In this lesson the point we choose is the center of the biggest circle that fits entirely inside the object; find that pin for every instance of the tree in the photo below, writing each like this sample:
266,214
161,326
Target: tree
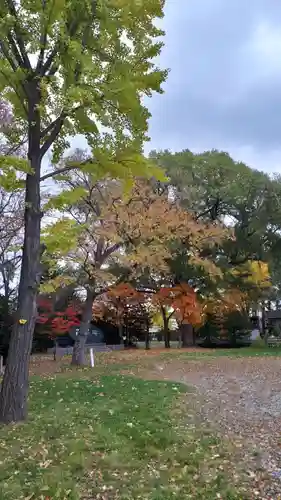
163,300
125,307
67,70
215,187
118,231
115,303
177,301
188,313
123,233
220,311
54,322
5,115
11,238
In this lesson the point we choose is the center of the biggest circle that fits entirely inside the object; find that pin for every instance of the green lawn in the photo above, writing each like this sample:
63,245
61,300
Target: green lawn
115,438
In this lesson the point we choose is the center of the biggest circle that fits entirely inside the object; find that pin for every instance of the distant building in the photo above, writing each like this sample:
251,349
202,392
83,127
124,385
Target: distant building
273,319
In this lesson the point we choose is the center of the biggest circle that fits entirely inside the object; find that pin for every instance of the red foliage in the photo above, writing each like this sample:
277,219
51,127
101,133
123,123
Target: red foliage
57,322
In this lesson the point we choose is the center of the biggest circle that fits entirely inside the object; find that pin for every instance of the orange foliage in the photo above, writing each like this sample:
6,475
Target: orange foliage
135,230
114,303
182,300
187,308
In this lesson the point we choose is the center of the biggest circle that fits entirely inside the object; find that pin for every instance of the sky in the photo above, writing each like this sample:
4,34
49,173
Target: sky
224,86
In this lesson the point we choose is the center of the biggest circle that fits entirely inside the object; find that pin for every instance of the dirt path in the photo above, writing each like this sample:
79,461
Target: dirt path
241,398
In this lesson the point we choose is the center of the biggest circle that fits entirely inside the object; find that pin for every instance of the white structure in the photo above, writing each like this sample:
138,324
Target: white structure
255,334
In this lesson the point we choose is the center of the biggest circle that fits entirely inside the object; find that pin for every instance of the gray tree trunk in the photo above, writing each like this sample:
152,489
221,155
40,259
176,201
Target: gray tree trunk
166,329
187,335
79,356
14,388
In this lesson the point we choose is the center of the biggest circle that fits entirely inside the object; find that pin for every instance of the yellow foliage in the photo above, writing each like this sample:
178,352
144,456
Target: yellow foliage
254,273
134,228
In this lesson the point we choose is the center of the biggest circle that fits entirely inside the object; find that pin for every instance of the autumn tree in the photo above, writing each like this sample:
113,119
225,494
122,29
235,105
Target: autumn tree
179,302
219,310
217,188
162,300
120,297
67,71
53,321
188,312
115,303
228,309
119,232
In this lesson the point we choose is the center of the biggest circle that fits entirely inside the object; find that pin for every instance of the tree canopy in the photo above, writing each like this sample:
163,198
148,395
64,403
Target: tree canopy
67,70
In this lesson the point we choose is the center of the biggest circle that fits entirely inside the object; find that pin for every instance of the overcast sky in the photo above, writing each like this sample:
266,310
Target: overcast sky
224,86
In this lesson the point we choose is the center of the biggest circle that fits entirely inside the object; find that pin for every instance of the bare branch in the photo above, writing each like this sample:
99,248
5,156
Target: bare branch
60,171
8,261
15,50
8,56
16,91
18,34
13,149
43,38
54,123
111,250
170,315
50,67
53,135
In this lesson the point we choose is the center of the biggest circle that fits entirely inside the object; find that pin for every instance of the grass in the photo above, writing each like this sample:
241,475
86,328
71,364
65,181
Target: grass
247,352
114,437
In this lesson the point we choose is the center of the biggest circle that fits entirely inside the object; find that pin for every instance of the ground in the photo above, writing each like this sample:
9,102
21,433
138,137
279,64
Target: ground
149,425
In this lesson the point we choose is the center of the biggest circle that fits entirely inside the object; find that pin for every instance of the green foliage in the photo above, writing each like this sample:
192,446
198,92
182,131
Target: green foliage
10,169
92,68
237,321
64,199
61,237
216,188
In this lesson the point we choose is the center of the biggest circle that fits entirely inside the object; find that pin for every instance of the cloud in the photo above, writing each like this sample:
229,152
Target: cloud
224,86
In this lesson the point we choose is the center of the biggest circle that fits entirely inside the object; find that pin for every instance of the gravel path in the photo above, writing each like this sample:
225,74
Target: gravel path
241,398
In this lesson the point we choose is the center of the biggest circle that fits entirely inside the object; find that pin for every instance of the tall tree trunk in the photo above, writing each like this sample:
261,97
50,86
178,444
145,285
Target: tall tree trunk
166,328
167,338
147,337
263,318
14,389
120,332
180,338
78,356
188,338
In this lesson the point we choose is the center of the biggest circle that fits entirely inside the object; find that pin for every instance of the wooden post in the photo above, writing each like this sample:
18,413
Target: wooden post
1,365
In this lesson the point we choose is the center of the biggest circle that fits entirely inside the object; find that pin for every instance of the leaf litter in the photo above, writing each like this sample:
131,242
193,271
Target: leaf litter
239,399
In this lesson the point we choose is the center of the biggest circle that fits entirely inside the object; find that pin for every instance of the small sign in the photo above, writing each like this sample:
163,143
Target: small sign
94,335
